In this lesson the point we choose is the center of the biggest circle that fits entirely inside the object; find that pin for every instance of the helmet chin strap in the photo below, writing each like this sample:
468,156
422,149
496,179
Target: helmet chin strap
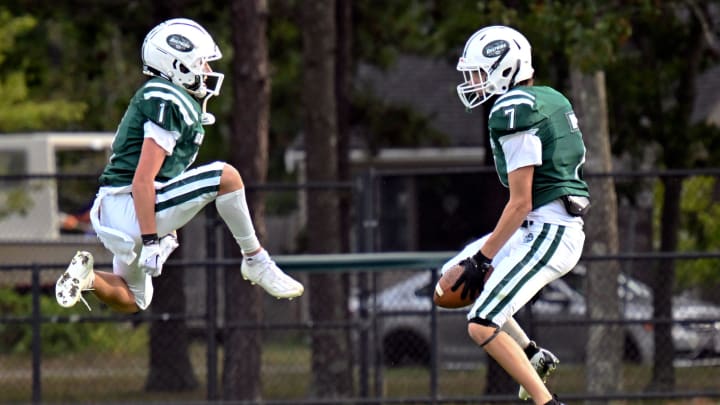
206,117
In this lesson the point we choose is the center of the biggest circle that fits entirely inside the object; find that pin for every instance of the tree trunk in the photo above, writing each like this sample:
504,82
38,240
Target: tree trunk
343,90
169,363
663,373
677,154
605,341
170,367
331,374
249,154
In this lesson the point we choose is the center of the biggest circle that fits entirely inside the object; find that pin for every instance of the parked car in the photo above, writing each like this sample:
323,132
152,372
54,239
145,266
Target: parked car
403,318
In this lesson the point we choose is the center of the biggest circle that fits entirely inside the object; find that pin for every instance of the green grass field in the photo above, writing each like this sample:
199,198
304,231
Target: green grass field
117,376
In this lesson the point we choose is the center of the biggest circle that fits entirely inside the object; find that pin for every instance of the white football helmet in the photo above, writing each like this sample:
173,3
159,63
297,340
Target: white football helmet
178,50
495,59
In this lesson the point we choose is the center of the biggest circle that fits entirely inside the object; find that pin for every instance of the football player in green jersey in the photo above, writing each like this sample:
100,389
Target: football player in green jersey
539,153
147,190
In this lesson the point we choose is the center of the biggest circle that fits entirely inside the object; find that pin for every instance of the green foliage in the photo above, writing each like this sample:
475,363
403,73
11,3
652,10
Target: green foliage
700,231
63,338
587,32
395,125
385,29
648,89
15,200
19,112
426,27
382,31
11,27
285,47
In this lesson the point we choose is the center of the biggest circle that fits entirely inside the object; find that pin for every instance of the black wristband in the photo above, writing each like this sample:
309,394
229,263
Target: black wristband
149,238
481,258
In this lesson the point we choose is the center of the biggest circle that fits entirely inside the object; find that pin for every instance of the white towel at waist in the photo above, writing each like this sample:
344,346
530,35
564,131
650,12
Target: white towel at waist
119,243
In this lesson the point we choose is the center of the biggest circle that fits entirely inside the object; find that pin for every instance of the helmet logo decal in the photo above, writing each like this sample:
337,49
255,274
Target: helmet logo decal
180,43
495,48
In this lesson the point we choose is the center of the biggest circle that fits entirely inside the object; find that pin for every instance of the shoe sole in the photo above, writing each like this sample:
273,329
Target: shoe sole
288,295
73,291
67,296
524,395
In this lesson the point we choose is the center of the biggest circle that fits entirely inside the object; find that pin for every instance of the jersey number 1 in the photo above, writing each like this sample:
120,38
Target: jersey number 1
161,113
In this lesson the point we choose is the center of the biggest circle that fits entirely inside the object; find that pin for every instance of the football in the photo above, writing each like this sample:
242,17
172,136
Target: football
444,297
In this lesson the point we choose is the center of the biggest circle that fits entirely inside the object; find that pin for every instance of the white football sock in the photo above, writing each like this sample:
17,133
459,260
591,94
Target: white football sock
233,209
512,328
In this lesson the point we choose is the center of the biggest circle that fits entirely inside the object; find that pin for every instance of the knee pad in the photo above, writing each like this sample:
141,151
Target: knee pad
485,322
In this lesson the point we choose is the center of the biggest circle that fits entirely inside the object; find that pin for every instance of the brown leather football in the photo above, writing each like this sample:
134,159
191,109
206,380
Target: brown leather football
444,297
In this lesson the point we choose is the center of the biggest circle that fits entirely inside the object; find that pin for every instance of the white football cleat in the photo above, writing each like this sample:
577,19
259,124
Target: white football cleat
77,278
544,363
261,269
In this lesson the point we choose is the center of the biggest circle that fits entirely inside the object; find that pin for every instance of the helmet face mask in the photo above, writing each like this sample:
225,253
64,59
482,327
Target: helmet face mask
180,50
495,59
475,89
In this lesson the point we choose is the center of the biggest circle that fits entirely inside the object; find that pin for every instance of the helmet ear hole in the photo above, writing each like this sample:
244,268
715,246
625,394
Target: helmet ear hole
179,66
507,72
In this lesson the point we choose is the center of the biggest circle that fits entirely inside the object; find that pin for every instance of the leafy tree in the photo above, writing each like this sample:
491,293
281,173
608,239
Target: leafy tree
653,88
18,110
700,210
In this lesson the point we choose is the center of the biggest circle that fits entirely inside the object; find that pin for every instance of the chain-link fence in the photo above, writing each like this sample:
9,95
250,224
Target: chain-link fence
401,348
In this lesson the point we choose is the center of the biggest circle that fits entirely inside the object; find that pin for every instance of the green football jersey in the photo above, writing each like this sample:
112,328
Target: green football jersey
547,114
170,107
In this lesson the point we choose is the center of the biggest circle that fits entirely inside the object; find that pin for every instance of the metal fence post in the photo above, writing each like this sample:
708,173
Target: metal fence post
36,337
364,336
365,244
434,343
377,343
211,305
367,241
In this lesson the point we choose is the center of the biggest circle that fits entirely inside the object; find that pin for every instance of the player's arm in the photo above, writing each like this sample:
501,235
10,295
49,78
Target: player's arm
157,144
143,185
477,268
516,210
522,150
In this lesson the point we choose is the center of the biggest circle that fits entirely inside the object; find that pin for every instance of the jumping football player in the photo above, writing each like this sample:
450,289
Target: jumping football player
146,190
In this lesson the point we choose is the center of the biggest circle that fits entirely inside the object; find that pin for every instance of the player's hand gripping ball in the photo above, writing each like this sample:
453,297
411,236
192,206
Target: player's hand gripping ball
461,284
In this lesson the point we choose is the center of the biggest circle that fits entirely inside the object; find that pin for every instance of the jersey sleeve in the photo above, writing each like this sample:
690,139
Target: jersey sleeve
162,113
168,107
164,138
521,149
515,111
